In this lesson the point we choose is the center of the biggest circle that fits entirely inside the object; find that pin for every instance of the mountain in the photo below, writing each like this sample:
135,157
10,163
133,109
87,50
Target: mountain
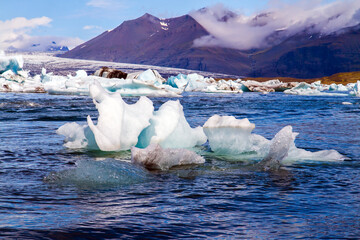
43,46
169,42
306,55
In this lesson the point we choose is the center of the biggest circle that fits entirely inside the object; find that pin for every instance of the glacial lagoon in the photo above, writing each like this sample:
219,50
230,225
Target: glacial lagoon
51,191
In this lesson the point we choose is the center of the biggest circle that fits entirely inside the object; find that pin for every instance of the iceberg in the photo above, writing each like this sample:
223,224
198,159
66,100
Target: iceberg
118,126
228,135
279,149
154,157
180,81
79,84
13,63
310,89
169,128
338,87
268,86
356,89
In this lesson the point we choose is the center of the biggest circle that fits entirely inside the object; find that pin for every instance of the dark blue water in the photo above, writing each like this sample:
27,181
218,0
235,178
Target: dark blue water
47,191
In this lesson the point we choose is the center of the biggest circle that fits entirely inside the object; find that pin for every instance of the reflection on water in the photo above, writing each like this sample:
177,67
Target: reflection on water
102,194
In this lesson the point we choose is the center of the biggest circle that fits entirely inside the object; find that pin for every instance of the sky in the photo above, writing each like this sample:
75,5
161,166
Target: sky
71,22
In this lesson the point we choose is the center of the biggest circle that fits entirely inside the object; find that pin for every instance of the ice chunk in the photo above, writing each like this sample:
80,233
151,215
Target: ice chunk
98,174
338,87
298,154
13,63
310,89
268,86
118,125
180,81
154,157
356,91
148,76
74,135
228,135
170,129
279,149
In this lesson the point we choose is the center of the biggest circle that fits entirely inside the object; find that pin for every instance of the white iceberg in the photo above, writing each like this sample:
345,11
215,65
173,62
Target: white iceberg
140,85
13,63
169,128
118,126
274,85
154,157
228,135
279,149
356,89
310,89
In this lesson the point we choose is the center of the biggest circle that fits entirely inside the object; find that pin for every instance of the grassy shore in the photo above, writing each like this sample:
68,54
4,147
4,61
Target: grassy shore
343,78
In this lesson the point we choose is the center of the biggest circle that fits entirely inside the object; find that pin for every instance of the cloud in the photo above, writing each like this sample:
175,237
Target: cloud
279,21
106,4
16,33
92,27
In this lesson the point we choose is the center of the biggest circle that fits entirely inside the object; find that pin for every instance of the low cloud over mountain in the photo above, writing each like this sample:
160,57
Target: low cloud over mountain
278,22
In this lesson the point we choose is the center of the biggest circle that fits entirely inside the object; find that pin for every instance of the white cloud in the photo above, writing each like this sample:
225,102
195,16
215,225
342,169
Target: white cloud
16,33
279,21
107,4
92,27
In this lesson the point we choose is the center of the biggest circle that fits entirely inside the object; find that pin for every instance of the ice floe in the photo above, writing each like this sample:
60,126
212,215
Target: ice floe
121,126
232,137
154,157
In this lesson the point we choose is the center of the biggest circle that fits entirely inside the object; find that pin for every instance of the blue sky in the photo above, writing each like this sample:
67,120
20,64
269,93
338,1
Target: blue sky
81,20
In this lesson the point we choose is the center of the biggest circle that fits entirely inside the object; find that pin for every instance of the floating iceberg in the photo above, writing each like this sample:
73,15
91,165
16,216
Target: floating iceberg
279,149
169,128
268,86
154,157
228,135
13,63
118,125
143,84
310,89
338,88
356,89
121,126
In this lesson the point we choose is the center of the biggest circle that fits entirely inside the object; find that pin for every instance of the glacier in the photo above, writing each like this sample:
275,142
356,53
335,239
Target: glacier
148,83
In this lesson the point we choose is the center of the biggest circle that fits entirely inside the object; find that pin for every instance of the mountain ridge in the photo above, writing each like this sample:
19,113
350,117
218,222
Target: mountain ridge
169,42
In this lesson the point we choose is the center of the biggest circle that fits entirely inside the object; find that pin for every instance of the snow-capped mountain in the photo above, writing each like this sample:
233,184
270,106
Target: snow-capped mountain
170,43
41,46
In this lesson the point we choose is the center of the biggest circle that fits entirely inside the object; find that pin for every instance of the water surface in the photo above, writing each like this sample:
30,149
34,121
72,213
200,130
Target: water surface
48,191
